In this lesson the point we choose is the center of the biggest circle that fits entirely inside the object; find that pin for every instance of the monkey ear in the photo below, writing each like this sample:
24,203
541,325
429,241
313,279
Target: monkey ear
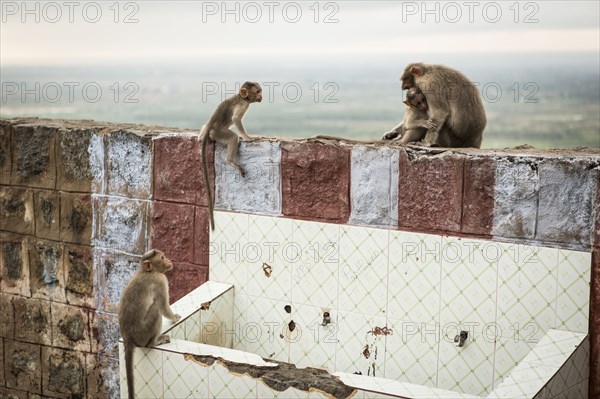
147,265
244,92
415,71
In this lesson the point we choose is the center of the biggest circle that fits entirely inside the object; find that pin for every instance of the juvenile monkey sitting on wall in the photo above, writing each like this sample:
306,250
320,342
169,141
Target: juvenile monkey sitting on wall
416,120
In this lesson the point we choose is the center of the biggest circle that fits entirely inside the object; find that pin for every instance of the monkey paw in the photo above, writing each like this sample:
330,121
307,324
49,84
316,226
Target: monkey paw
176,318
390,135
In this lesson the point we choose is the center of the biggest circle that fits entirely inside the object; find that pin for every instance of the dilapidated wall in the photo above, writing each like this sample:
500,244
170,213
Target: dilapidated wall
81,200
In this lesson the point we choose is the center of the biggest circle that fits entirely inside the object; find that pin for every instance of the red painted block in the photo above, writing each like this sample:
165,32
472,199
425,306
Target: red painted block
173,230
478,196
430,192
178,169
185,278
594,387
316,181
201,237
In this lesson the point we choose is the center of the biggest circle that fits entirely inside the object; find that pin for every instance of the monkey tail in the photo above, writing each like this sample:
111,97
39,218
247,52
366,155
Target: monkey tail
207,181
129,368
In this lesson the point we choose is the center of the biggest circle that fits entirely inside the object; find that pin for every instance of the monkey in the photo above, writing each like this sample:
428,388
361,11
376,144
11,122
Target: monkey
229,112
416,120
454,103
143,304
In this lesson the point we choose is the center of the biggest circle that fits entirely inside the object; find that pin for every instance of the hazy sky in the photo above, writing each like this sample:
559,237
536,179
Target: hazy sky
86,32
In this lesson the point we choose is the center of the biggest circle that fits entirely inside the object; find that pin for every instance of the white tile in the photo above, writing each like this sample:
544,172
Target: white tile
573,297
525,381
269,247
264,391
509,353
361,346
183,378
469,277
148,372
216,322
363,270
225,385
411,352
526,291
122,372
315,272
469,369
314,345
228,243
555,348
191,302
414,277
262,327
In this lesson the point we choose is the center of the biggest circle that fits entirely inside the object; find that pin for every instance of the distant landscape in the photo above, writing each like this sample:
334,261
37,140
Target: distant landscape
549,107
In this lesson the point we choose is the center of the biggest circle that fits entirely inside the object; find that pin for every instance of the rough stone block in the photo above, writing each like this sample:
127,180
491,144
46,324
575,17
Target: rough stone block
76,218
315,181
70,327
102,376
2,382
178,169
566,199
32,320
374,186
121,224
595,325
63,373
105,334
14,264
47,213
185,278
80,276
478,196
34,161
5,154
6,393
515,198
23,368
201,237
16,210
77,158
7,316
430,191
259,191
597,211
129,163
173,230
47,275
117,269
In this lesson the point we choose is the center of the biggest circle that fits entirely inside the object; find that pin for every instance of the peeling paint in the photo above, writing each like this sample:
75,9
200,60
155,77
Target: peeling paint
284,376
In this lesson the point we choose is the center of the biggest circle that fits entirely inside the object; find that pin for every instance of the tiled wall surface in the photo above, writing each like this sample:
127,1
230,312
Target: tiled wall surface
396,299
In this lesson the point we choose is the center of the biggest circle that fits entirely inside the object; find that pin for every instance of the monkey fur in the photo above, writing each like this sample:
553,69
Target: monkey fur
416,120
454,103
229,112
144,303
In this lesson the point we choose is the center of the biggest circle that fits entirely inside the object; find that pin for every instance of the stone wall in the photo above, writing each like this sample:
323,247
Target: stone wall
81,200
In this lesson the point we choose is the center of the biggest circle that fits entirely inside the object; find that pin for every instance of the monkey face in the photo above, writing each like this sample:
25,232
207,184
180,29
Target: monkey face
255,95
419,102
408,81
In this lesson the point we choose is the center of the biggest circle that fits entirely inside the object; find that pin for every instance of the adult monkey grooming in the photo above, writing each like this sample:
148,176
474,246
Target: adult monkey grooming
455,105
229,112
143,304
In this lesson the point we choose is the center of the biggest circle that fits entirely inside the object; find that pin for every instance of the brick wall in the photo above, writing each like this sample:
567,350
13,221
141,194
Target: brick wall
81,200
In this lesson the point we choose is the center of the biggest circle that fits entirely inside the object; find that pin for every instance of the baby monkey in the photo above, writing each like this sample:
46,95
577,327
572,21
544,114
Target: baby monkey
416,120
229,112
144,303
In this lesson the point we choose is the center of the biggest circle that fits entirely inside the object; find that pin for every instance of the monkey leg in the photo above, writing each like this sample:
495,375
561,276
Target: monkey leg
232,151
432,137
411,136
